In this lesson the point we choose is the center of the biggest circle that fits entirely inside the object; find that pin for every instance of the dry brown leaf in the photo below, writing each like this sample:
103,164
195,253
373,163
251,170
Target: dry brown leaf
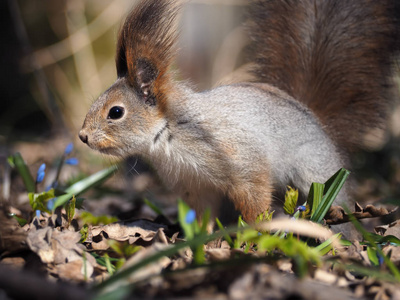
71,271
394,254
142,230
218,250
59,248
390,229
219,254
337,215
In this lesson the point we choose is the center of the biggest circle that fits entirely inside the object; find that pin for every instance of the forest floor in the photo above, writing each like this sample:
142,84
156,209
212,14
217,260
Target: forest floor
116,245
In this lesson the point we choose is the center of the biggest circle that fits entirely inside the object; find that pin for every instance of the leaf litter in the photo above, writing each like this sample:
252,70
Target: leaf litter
67,259
151,258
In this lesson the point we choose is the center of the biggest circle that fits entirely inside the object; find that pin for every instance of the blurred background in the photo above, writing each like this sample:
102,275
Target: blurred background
58,56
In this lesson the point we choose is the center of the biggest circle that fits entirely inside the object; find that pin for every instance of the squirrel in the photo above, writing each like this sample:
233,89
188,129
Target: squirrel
322,74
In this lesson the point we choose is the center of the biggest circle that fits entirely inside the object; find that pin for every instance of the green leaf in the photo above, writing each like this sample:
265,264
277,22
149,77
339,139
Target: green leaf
84,233
199,255
18,162
39,201
21,221
79,203
379,239
301,254
291,198
372,255
326,246
315,197
264,217
84,184
330,190
188,229
345,242
389,239
70,209
106,261
109,266
241,222
238,241
205,220
123,249
226,235
10,161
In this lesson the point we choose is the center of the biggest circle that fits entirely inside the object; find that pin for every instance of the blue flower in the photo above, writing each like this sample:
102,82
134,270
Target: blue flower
69,149
72,161
190,216
50,204
40,173
301,208
380,259
38,213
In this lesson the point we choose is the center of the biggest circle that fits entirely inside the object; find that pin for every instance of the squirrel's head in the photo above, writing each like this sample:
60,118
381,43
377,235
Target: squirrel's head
122,121
130,114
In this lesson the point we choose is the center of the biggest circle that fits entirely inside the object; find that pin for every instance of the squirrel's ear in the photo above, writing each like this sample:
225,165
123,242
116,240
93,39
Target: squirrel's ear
146,74
145,48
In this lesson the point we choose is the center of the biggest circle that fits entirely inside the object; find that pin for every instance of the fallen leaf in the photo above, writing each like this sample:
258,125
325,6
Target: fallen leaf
219,254
140,232
394,253
337,215
61,248
390,229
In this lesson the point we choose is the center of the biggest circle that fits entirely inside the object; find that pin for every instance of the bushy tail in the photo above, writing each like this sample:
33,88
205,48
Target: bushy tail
335,56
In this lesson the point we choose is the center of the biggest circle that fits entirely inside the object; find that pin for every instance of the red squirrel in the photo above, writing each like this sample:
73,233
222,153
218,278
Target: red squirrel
322,79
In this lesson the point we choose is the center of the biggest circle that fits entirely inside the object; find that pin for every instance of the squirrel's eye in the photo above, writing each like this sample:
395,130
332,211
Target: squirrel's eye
116,112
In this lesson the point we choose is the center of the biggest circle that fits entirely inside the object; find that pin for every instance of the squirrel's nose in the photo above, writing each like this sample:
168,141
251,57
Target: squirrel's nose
83,136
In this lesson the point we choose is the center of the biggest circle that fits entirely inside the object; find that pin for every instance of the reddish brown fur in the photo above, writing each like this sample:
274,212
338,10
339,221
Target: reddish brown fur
334,58
252,197
149,33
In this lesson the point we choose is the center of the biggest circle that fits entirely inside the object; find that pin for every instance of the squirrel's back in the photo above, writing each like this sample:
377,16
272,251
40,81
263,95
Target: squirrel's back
334,56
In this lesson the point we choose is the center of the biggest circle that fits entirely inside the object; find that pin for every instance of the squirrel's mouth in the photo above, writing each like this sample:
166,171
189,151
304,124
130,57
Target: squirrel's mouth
107,150
104,146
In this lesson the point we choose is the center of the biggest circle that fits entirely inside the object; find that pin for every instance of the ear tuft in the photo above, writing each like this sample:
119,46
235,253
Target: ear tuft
145,49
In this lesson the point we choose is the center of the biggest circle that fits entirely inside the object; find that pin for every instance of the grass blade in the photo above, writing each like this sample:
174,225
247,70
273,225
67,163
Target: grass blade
18,162
226,236
331,190
84,184
153,207
315,197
